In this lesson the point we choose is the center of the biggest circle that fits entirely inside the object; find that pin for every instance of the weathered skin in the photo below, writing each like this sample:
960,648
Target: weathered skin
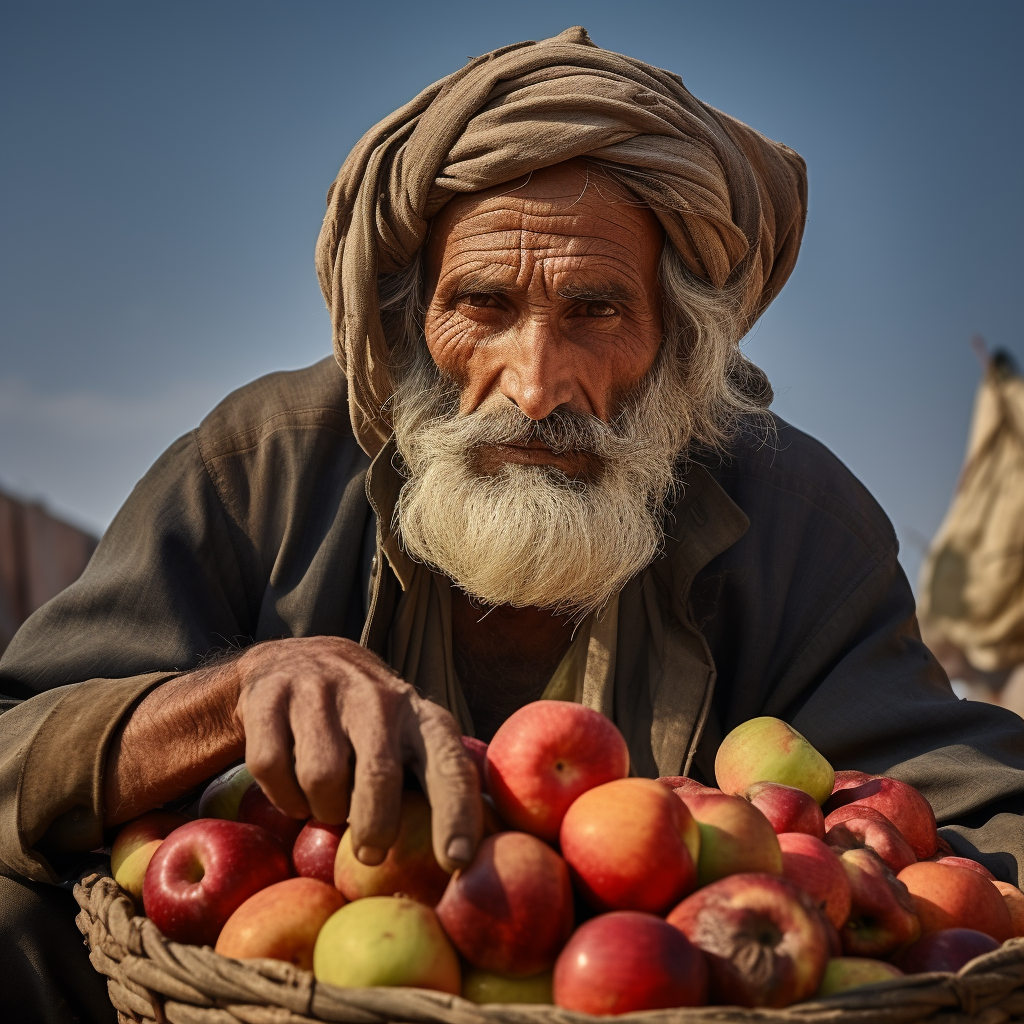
543,293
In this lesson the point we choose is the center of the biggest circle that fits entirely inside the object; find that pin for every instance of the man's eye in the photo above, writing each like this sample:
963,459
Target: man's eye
601,309
479,299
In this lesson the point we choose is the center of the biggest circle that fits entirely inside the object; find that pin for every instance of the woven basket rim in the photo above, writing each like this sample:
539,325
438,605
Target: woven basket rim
161,980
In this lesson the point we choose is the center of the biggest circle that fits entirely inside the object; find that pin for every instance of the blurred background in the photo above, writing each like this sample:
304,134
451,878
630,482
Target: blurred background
165,167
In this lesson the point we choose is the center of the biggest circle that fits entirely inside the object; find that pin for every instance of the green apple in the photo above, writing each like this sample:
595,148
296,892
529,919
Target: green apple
487,987
221,797
135,845
846,972
386,940
769,750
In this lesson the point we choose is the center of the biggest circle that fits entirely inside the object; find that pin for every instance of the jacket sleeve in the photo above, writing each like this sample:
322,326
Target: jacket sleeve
163,589
870,696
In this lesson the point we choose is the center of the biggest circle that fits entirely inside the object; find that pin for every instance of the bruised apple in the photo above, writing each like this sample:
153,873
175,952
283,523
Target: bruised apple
315,849
135,845
255,808
409,869
631,844
386,940
204,871
854,826
770,750
544,756
903,805
511,910
952,897
844,973
882,914
626,961
735,837
813,867
280,922
765,942
787,809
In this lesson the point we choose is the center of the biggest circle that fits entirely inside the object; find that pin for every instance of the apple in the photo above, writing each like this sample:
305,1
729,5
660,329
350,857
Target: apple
946,896
487,987
281,922
255,808
787,808
135,845
942,849
903,805
945,950
812,866
204,871
882,914
680,784
846,778
854,826
511,910
966,862
770,750
766,943
315,849
409,869
848,972
734,837
628,961
386,940
221,797
544,756
631,844
1014,900
477,751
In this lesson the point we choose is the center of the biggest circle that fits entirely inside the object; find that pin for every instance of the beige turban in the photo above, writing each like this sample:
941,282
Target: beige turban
532,105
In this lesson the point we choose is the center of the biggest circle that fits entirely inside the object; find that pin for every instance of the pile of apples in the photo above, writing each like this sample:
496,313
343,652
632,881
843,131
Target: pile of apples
592,890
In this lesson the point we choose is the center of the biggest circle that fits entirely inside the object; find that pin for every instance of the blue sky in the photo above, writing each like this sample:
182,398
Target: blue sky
165,165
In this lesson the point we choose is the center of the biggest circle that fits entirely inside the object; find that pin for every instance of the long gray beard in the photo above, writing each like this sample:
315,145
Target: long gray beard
530,535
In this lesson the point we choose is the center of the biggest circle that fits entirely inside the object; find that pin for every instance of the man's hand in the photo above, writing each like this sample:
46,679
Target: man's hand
310,707
317,718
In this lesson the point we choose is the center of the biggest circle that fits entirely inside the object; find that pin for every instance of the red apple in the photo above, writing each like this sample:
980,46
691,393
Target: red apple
204,871
680,784
409,868
735,837
511,910
135,845
950,897
882,915
280,922
844,973
315,849
787,808
946,950
631,845
966,862
847,778
942,849
812,866
1014,900
903,805
856,826
544,756
766,943
477,751
256,809
625,962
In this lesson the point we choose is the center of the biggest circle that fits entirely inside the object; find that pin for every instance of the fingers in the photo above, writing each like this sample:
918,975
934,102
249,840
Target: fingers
451,780
323,755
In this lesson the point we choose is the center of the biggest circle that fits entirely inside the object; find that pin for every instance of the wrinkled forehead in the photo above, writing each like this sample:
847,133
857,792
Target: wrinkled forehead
573,206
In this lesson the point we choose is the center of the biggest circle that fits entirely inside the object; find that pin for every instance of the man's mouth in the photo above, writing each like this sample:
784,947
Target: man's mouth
489,460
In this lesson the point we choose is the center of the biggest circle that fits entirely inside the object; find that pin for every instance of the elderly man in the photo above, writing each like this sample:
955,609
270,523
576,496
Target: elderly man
539,467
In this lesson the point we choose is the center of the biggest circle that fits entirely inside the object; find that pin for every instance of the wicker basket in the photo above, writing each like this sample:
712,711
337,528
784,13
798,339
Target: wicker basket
152,979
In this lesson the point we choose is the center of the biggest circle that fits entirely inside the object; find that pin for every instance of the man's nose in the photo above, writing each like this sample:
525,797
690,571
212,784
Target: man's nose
539,374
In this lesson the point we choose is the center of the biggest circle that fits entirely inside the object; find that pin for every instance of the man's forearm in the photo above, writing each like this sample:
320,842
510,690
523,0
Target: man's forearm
181,733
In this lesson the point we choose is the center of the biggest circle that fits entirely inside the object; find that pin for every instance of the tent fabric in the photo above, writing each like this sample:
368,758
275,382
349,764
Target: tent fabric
732,202
972,584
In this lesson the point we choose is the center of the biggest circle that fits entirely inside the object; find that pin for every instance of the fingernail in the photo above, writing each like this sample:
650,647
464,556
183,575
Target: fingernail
460,849
371,856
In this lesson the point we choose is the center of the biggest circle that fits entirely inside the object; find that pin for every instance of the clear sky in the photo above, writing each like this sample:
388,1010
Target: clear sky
165,164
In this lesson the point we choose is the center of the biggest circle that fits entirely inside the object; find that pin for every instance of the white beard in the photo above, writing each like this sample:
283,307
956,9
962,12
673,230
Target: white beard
530,535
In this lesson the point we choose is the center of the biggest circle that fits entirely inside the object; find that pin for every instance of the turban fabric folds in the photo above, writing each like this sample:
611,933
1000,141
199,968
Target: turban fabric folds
733,202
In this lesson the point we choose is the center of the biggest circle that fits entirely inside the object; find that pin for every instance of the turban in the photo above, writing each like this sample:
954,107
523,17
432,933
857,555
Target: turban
733,202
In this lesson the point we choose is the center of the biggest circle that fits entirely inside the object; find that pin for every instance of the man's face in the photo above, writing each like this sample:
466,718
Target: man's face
544,294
